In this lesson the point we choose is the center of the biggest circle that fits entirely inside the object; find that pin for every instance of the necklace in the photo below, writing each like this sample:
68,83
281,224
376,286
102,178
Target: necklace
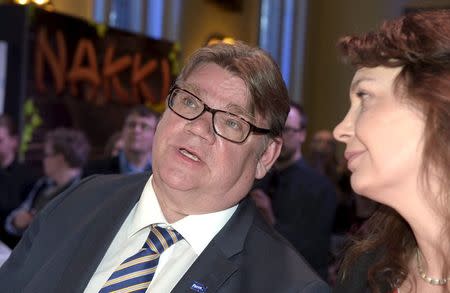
423,274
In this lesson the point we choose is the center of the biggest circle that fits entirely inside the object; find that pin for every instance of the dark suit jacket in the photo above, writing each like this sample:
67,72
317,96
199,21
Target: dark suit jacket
63,247
304,204
102,166
15,182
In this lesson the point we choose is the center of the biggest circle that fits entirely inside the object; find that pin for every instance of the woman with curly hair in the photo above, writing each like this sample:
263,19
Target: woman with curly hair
397,134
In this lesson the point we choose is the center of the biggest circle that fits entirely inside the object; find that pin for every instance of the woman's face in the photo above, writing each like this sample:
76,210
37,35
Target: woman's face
383,134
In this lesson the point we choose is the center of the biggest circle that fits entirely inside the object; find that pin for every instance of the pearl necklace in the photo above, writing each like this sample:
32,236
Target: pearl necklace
424,276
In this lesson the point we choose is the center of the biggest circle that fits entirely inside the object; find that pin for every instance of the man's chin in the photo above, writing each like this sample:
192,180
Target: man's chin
176,179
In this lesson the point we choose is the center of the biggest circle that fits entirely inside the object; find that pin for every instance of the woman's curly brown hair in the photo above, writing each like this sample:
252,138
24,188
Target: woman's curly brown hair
420,44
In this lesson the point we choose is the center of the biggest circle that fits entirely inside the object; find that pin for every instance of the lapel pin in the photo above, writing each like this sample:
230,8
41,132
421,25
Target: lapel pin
198,287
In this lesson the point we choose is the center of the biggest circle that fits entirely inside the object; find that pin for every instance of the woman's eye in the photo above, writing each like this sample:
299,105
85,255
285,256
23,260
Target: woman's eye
364,98
362,94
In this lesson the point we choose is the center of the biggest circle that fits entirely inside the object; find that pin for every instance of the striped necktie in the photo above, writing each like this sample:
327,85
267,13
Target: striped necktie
137,271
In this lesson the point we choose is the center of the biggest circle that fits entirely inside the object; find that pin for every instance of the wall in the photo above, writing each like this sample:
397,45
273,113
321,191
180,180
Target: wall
200,18
326,80
326,85
78,8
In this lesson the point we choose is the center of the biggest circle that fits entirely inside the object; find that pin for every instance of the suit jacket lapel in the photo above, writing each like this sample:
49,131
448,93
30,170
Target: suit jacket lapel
215,264
97,234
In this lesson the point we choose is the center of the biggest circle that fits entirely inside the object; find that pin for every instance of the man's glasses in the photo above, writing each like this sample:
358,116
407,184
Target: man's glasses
225,124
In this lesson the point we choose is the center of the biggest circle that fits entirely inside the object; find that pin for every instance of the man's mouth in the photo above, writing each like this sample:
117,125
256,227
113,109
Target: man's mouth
191,156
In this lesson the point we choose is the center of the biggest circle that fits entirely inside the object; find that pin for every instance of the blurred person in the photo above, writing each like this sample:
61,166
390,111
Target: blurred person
114,145
136,155
300,201
16,178
190,222
322,157
397,137
65,152
352,209
9,141
322,154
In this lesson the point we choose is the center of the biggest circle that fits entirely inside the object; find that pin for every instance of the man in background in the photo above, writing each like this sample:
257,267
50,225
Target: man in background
65,152
16,179
322,155
136,156
298,201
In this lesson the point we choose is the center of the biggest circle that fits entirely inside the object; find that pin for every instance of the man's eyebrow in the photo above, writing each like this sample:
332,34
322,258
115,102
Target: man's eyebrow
240,111
231,107
190,87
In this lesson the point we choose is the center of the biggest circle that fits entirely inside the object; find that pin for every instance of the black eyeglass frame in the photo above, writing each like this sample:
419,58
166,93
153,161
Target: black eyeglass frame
206,108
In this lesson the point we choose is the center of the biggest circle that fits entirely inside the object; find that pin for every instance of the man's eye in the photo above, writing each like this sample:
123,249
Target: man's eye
189,102
233,124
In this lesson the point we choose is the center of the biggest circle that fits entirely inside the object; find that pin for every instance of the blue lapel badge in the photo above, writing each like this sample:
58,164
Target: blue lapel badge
198,287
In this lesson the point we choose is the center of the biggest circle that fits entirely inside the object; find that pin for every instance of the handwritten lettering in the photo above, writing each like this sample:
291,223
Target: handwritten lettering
121,79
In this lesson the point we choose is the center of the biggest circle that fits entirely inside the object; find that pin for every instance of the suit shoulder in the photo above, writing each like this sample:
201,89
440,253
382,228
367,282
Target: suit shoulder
274,256
97,188
103,166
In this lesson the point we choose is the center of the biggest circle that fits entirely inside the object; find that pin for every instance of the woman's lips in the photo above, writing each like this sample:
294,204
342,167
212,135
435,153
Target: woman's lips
351,156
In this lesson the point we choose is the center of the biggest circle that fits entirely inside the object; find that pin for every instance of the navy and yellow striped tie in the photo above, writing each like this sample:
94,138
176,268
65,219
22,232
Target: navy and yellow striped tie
137,271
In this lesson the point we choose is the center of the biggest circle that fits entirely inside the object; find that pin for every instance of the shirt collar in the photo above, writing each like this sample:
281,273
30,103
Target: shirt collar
197,230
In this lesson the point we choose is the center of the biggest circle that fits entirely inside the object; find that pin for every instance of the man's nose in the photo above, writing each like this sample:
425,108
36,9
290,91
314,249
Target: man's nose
202,126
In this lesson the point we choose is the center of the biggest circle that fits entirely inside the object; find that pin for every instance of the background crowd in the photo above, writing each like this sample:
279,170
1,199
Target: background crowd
396,137
312,197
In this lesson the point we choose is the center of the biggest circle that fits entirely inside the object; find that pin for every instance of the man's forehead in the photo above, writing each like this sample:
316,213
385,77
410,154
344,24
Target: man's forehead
294,114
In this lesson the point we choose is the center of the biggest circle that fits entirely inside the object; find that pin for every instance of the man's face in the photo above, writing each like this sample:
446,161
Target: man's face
8,144
196,171
53,162
323,143
293,135
138,133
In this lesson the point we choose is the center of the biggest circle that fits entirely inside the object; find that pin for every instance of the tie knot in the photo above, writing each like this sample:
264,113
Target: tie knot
161,238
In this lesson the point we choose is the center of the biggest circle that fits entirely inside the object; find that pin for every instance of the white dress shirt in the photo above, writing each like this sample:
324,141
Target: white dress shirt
197,232
5,251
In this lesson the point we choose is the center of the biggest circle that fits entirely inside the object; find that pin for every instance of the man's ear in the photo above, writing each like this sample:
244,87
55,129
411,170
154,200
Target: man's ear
268,157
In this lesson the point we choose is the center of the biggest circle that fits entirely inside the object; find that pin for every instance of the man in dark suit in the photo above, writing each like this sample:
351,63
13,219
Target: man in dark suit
189,227
298,201
16,179
137,134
